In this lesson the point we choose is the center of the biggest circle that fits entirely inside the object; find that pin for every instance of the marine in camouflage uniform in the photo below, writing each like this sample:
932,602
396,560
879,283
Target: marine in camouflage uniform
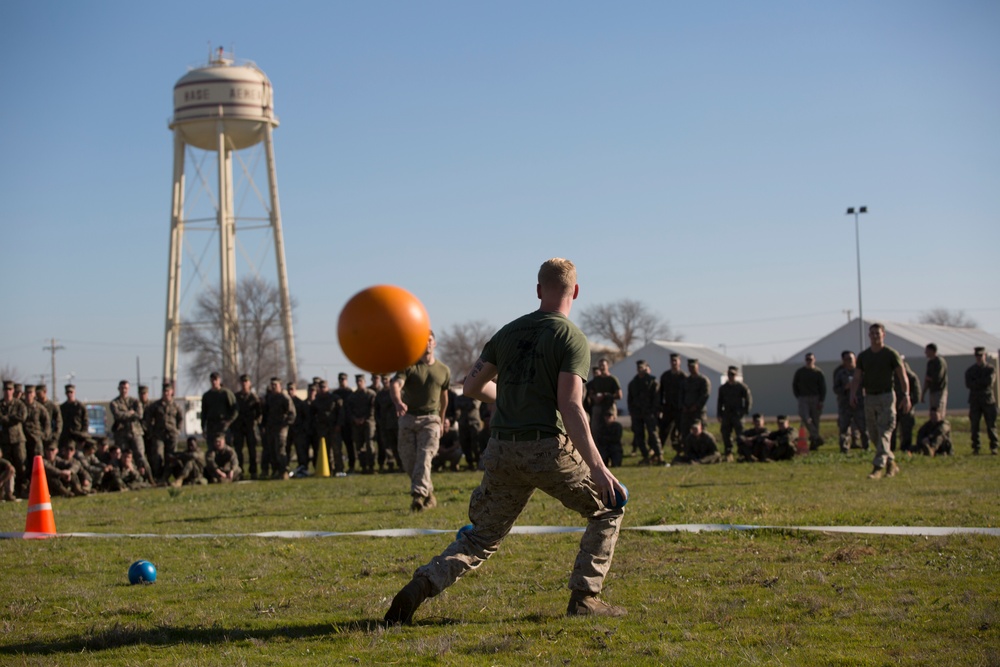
188,466
470,424
734,403
388,426
219,408
76,424
980,380
7,481
751,440
694,398
163,420
328,415
609,442
61,475
298,431
279,415
36,424
103,475
221,462
420,394
55,416
604,390
306,440
540,362
936,380
246,427
934,437
809,388
671,404
127,429
874,375
360,414
145,403
132,478
779,445
850,418
643,406
342,392
905,421
12,416
699,447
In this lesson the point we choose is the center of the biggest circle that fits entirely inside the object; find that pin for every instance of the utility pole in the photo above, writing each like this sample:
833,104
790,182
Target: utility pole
857,242
52,347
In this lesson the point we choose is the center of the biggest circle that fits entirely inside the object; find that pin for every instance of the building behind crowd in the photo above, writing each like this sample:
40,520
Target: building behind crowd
712,363
771,384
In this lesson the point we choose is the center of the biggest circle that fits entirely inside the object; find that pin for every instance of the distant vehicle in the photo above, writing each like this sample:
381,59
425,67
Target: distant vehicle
97,416
192,415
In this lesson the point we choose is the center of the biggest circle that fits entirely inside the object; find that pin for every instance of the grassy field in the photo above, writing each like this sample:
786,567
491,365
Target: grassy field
776,596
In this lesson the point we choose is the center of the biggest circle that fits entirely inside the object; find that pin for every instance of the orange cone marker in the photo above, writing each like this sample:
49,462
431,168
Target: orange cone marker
41,522
802,444
322,461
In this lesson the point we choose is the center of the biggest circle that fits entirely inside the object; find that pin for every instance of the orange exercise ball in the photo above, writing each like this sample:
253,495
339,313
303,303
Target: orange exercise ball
383,329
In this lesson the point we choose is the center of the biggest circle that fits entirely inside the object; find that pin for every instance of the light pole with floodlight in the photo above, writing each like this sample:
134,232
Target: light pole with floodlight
857,242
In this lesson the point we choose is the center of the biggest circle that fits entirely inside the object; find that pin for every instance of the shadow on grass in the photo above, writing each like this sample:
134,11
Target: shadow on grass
127,634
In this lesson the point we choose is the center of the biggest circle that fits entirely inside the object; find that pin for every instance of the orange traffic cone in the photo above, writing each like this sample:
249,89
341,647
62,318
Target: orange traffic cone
802,443
41,522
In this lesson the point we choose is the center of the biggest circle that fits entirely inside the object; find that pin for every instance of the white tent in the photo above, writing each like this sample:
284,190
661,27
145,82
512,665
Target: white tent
906,338
711,363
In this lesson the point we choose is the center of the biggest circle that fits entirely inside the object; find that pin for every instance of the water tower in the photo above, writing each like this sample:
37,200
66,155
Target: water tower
222,108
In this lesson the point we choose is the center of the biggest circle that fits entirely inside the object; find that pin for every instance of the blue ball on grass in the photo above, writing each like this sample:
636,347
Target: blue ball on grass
141,572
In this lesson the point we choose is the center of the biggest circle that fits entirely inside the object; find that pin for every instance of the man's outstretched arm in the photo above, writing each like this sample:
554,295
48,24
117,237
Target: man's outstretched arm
570,401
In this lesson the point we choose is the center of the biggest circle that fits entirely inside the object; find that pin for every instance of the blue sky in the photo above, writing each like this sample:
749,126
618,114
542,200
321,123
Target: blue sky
698,157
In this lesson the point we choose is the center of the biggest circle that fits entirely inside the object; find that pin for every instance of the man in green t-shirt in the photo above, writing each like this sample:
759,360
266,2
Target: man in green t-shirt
876,367
420,394
533,369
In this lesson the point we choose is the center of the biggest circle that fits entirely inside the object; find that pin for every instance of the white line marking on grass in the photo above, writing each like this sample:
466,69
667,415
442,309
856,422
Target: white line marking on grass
929,531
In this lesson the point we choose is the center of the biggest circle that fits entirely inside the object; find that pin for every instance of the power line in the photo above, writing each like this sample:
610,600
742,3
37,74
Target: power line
106,344
760,320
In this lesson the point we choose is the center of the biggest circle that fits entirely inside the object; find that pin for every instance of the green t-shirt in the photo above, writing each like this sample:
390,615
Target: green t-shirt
878,369
422,387
529,354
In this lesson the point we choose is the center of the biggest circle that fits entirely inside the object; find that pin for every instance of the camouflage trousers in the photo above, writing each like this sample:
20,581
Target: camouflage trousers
731,422
246,434
880,418
643,432
670,429
419,437
513,470
134,442
274,456
363,436
985,412
810,411
851,424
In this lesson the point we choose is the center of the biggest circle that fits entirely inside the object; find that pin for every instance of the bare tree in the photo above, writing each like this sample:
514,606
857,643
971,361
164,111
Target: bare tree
260,339
948,318
460,345
625,324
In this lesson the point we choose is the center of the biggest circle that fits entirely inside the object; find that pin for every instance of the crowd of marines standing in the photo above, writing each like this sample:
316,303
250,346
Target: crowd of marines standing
412,422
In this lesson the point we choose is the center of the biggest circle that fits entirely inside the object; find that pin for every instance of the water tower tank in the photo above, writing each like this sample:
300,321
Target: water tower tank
239,95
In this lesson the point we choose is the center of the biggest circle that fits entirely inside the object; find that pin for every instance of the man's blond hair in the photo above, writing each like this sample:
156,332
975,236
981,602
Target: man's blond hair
558,273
